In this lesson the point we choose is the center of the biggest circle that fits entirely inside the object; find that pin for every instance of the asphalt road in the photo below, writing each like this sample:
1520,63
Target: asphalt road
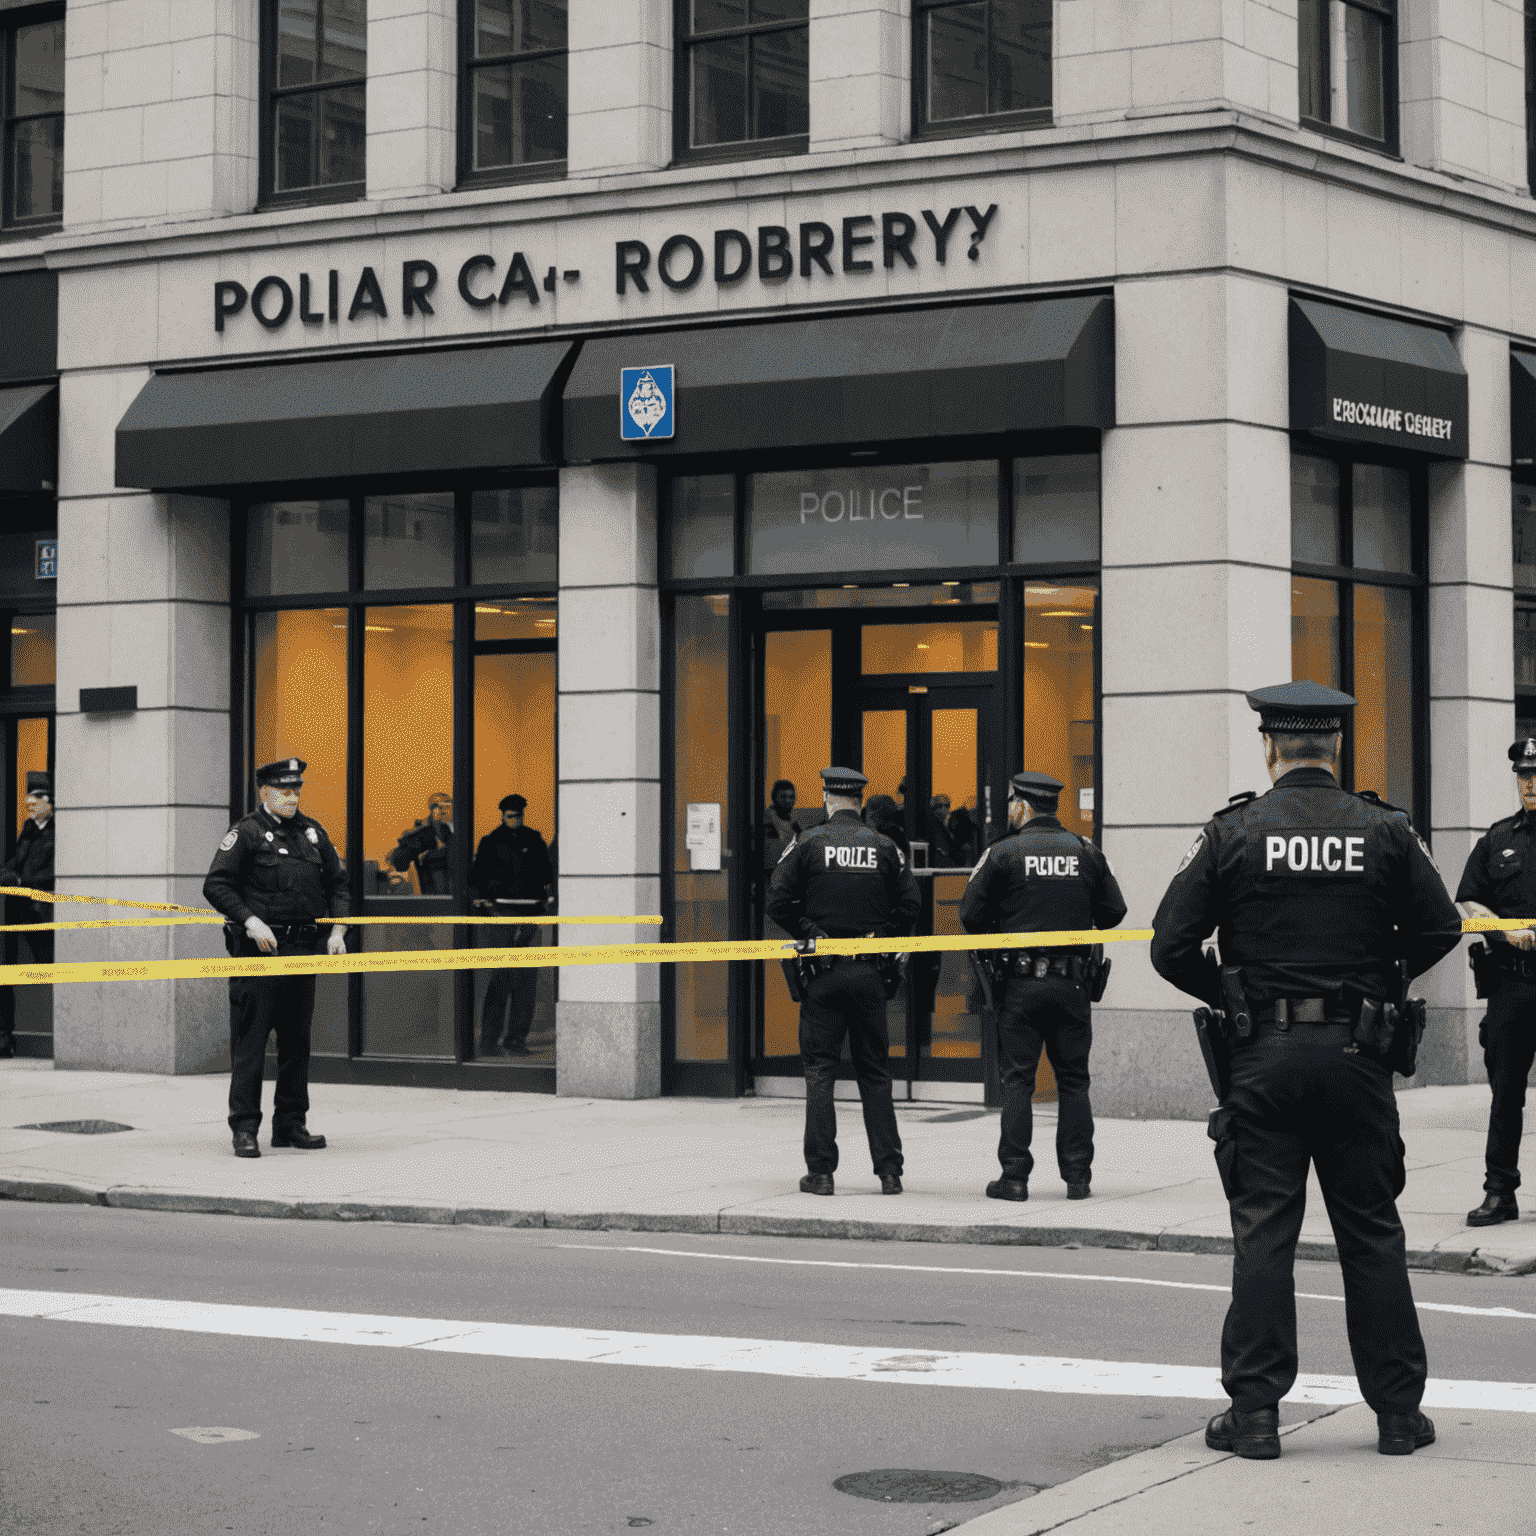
399,1440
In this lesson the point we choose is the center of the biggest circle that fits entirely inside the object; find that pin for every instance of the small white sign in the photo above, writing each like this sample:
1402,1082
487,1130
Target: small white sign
701,836
1085,801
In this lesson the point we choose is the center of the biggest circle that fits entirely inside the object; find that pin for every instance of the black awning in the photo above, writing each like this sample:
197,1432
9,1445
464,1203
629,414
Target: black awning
887,377
1522,409
414,413
29,438
1365,378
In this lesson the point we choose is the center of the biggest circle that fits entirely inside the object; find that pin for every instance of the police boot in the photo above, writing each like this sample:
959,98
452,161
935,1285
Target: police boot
245,1144
1401,1434
1494,1209
7,1045
1254,1436
297,1136
890,1183
1007,1189
1078,1189
816,1184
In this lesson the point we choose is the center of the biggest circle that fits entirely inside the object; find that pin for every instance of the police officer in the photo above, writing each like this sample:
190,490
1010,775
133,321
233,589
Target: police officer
1039,876
1316,893
511,874
426,845
32,866
841,879
1500,881
274,874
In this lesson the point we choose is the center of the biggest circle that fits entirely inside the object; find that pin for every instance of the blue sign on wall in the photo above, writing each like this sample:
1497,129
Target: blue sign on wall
47,559
645,402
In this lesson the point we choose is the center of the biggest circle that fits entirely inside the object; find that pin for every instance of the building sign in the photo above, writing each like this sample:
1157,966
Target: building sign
1359,413
645,402
701,836
47,559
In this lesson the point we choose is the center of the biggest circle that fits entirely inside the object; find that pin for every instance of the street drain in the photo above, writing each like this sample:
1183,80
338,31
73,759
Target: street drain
79,1127
901,1485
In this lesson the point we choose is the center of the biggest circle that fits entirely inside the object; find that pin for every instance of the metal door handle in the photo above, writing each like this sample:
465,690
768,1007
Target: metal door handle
988,793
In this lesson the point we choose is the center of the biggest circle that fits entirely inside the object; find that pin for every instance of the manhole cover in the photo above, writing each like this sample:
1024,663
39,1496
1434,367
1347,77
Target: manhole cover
901,1485
79,1127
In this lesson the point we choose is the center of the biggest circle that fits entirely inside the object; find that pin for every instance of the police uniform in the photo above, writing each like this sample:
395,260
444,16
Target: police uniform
286,872
1501,875
511,871
31,865
1316,893
842,880
426,846
1036,878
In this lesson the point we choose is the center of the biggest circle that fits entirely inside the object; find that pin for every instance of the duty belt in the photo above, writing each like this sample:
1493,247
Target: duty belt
1035,967
298,933
1519,963
1285,1011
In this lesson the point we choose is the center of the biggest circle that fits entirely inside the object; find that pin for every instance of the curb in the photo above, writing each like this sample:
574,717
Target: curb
983,1235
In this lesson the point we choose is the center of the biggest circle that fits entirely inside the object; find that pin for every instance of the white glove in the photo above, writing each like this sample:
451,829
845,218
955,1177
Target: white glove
266,940
337,943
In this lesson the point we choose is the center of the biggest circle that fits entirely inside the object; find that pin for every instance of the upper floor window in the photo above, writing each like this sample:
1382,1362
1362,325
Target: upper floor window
1349,68
513,86
981,59
314,68
1530,91
743,75
32,109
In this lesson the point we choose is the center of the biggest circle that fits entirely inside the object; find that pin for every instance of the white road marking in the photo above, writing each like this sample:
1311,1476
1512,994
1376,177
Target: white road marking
213,1435
1020,1274
762,1357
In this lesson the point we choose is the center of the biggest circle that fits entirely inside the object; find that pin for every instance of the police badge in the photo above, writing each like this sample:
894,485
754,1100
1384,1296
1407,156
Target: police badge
229,840
312,835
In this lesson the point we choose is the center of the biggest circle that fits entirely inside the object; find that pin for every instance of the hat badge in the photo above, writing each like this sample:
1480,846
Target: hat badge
293,764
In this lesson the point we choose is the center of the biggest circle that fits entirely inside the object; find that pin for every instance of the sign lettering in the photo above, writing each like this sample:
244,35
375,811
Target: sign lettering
1358,413
1315,853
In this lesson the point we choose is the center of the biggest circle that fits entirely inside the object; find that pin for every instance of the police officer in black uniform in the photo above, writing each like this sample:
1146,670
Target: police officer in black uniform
31,865
1500,881
1039,876
426,846
843,880
1317,894
274,874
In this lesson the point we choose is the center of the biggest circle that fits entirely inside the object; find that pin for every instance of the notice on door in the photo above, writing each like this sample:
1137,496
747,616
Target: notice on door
701,836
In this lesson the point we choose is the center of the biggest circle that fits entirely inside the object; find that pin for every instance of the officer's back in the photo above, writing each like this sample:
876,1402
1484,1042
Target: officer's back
843,879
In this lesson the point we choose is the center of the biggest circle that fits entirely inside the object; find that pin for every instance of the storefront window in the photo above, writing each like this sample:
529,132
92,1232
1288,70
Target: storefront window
408,541
962,647
1056,509
514,535
296,546
1059,698
33,650
703,525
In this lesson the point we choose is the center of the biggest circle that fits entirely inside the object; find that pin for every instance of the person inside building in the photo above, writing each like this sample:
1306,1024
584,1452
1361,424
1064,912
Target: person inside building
426,846
512,876
30,866
941,845
780,827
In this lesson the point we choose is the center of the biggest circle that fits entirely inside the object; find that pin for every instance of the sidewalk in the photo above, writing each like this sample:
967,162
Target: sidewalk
691,1165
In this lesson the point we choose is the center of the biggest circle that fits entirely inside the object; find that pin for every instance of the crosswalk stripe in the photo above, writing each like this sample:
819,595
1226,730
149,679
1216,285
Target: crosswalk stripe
762,1357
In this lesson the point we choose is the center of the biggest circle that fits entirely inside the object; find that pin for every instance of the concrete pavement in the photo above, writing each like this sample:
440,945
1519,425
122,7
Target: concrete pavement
689,1165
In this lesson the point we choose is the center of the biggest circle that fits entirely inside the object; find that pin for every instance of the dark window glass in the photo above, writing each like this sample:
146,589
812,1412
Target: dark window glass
1523,517
514,535
1314,512
1056,508
317,53
983,58
1530,91
32,107
1348,70
1383,519
703,525
408,541
1310,58
296,546
515,73
747,70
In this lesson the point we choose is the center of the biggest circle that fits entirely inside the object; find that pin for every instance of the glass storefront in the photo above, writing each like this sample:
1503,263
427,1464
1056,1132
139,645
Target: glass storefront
1523,521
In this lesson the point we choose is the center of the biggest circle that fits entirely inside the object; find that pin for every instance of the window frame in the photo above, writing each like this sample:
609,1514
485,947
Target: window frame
301,197
500,175
11,22
1389,143
684,151
1530,94
965,127
1522,600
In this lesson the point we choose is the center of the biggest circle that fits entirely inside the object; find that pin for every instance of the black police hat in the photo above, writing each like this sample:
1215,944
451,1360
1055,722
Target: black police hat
39,783
512,803
1300,707
1034,786
287,773
1522,757
843,781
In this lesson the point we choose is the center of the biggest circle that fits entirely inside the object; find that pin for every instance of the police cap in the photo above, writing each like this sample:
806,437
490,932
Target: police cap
1522,757
512,803
843,781
39,783
286,773
1038,788
1300,707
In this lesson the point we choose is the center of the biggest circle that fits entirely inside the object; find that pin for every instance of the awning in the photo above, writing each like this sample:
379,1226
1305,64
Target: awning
29,439
418,412
1365,378
1522,409
944,372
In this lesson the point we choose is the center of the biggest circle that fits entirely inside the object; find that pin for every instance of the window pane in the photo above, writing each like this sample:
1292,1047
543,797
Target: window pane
33,647
345,51
1383,625
1383,518
703,526
296,24
295,131
711,15
538,110
1021,55
519,26
493,116
1315,631
780,10
1524,518
408,541
517,618
343,135
38,168
1525,660
1056,508
1314,510
39,65
1364,72
906,595
514,535
957,62
407,1013
719,91
873,518
781,83
1059,727
701,909
296,546
1311,60
960,647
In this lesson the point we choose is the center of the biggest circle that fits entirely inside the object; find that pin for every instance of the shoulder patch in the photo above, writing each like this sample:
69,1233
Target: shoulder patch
1237,802
1189,858
311,834
229,839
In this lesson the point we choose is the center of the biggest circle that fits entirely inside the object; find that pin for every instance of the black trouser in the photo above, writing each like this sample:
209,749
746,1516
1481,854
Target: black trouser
258,1005
519,987
1297,1098
31,949
1508,1038
1049,1011
847,1000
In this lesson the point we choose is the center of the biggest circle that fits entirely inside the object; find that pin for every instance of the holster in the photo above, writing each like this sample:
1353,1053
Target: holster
234,938
1485,970
982,970
1235,1003
892,970
1098,973
1215,1049
792,979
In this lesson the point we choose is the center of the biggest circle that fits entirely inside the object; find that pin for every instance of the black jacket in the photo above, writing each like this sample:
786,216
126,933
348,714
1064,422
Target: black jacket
426,846
511,864
845,880
1311,888
1501,869
280,871
32,865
